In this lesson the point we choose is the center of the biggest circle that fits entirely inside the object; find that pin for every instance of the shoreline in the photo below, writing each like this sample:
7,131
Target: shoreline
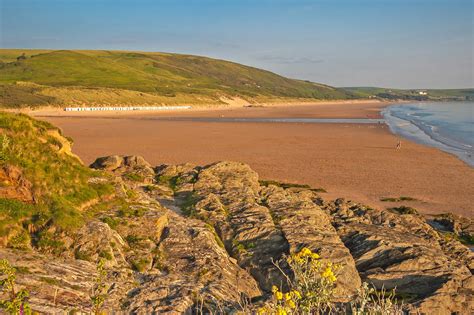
415,132
354,161
59,112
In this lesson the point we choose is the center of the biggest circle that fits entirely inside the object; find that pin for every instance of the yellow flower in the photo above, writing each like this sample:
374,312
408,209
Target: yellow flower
279,295
281,311
328,274
274,289
314,256
287,296
262,311
305,251
296,293
291,304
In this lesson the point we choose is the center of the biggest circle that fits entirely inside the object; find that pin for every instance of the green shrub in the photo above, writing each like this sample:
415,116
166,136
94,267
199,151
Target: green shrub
267,183
133,239
129,211
134,177
20,241
404,210
49,242
106,255
99,290
17,300
401,198
81,255
140,264
112,222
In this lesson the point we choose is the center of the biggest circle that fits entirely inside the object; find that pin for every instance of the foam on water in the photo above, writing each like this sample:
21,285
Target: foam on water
448,126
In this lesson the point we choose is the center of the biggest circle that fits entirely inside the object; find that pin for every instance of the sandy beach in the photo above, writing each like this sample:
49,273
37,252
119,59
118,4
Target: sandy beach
355,161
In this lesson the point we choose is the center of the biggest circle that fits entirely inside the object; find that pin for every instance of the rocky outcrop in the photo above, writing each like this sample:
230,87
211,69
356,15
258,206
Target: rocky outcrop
59,286
230,201
14,185
132,168
192,265
305,224
97,240
461,227
177,234
404,252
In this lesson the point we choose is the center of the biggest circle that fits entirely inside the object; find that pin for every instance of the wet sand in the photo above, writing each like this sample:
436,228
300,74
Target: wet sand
354,161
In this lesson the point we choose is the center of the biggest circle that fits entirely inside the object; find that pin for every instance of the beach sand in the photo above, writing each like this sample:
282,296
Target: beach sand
354,161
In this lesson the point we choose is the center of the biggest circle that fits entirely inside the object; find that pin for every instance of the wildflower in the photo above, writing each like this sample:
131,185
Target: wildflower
274,289
279,295
305,251
261,311
314,256
291,304
296,293
287,296
328,274
281,312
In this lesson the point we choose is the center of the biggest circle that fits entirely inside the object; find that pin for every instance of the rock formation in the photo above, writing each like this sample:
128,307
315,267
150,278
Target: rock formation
178,234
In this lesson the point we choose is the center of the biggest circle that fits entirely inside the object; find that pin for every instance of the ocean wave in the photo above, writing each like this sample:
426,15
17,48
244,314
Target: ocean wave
425,125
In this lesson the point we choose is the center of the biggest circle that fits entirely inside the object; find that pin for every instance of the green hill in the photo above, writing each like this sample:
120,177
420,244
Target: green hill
413,94
39,77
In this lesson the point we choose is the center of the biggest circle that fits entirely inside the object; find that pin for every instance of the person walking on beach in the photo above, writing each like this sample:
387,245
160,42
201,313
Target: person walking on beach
399,144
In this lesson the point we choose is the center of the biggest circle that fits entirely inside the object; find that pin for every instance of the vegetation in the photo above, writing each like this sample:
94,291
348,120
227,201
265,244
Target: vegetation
372,302
161,75
402,198
311,283
267,183
140,264
310,289
15,96
397,94
60,184
99,291
404,210
17,300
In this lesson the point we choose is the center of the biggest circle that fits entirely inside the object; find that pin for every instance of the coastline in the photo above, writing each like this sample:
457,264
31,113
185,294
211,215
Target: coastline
232,108
425,134
354,161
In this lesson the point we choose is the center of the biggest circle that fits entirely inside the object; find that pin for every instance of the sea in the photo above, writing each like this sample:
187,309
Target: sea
448,126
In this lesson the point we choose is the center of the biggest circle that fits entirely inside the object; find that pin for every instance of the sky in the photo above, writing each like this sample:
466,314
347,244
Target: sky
387,43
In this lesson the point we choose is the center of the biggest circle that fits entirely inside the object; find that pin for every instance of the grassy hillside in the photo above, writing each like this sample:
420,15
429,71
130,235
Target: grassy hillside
43,186
431,94
159,77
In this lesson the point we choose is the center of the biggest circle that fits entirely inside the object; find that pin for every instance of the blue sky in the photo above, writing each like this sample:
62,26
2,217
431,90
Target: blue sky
391,43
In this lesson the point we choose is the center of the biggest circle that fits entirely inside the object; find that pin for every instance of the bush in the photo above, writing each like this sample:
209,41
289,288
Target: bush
140,264
311,287
404,210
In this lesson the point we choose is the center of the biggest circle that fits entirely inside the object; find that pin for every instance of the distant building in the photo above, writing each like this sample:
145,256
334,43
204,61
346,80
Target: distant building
422,92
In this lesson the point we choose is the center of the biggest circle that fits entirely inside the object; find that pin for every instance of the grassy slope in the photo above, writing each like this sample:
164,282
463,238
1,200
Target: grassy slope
61,184
166,75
